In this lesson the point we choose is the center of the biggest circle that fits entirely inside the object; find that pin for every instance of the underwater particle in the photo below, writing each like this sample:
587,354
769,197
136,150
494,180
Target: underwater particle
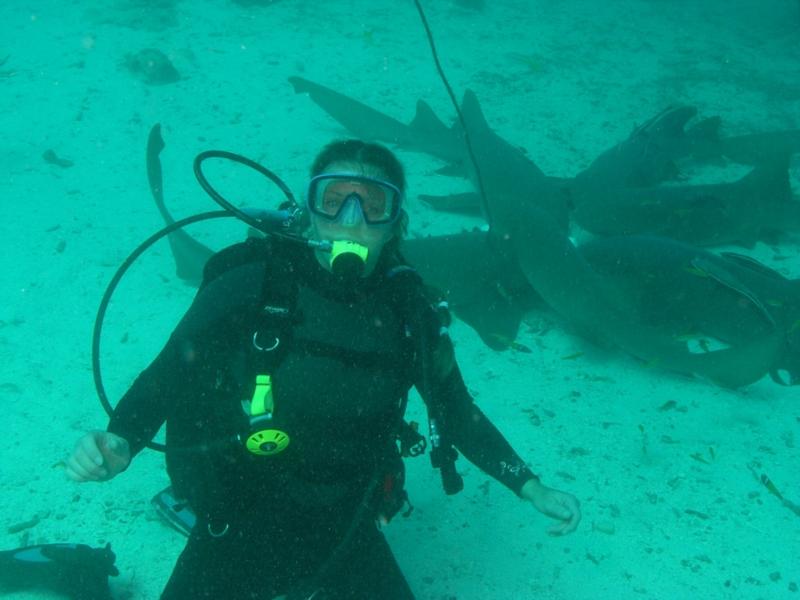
606,527
151,66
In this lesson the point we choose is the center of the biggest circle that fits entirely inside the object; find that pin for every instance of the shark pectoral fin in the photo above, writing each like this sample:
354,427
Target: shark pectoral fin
496,323
472,274
468,203
740,365
452,170
791,377
731,367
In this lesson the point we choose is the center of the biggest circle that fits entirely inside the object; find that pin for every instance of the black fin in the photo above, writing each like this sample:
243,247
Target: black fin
77,570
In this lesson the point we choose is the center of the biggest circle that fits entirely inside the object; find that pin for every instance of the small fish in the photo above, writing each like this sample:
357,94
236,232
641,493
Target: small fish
573,356
696,271
520,347
699,458
770,486
511,343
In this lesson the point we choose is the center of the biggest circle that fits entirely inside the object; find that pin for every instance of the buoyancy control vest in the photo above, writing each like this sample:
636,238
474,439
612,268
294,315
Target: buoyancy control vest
205,478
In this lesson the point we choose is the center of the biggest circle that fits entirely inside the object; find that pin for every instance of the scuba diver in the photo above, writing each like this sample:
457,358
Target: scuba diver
284,388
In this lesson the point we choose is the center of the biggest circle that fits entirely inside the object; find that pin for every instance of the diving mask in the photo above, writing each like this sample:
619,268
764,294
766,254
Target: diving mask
344,197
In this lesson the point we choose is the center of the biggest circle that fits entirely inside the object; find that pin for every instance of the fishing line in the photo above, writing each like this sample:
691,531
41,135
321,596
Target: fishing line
450,93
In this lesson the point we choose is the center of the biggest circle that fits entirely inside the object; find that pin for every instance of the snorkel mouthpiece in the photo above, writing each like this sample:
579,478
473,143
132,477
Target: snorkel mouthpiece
348,259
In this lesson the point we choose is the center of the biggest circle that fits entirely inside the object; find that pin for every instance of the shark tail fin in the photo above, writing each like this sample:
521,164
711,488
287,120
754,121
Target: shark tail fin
155,144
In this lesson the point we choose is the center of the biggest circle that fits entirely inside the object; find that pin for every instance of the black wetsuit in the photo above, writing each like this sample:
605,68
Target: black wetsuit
339,386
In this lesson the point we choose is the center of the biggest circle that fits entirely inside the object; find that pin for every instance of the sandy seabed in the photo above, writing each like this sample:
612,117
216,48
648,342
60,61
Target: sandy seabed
659,461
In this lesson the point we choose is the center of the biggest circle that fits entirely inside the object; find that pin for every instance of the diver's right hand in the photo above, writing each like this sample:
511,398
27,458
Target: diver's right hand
98,456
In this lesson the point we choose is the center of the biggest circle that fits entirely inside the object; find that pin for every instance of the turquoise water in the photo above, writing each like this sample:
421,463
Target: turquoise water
658,460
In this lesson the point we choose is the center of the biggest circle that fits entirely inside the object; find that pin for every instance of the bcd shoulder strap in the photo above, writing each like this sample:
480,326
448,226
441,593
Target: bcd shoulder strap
423,313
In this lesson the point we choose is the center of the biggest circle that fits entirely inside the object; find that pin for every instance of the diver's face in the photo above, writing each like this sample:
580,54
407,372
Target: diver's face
351,225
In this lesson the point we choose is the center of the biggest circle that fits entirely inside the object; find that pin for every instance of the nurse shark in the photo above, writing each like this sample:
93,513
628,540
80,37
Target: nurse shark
528,216
493,278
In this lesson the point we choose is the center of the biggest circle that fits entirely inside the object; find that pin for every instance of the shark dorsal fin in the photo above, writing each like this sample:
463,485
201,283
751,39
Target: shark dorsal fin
426,120
471,109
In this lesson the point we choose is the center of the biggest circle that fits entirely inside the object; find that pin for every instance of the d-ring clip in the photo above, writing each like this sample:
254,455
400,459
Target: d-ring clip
261,348
217,534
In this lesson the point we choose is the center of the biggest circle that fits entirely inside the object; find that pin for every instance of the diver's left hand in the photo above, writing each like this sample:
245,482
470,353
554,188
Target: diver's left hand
561,506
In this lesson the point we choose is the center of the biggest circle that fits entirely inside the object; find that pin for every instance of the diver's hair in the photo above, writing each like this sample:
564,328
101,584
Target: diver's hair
366,153
373,155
